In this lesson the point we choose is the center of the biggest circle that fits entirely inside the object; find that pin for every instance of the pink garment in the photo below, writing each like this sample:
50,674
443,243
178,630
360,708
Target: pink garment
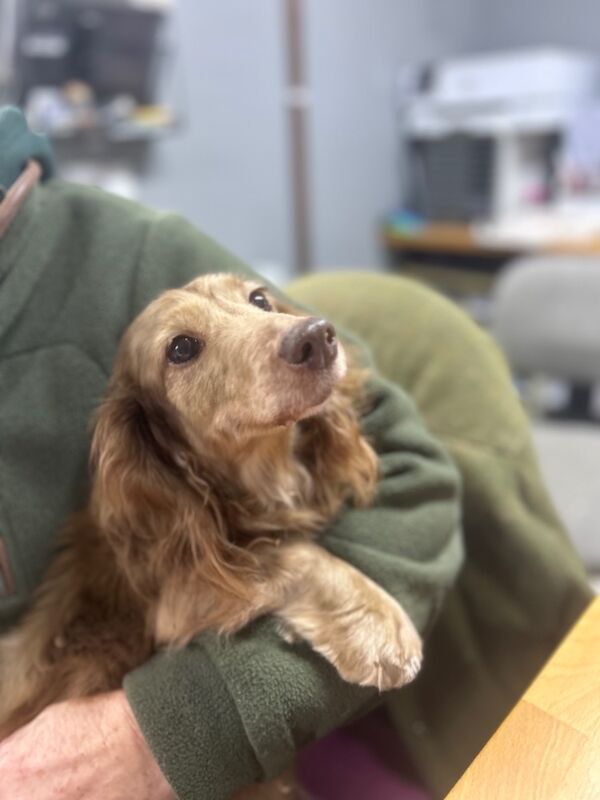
351,764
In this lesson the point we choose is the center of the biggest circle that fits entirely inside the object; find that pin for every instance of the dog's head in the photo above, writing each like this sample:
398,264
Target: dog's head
229,360
198,429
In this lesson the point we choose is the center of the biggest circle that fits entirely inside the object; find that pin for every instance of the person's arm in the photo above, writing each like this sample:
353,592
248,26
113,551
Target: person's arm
81,749
224,713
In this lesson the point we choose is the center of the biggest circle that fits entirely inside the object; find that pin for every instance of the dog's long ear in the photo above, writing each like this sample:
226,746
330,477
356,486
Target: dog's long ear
150,500
133,489
132,461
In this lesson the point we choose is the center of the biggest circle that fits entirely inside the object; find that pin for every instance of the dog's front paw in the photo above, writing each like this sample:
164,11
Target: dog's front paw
352,622
382,649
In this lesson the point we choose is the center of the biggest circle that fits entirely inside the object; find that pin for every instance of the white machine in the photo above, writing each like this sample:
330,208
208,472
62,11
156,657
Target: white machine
485,132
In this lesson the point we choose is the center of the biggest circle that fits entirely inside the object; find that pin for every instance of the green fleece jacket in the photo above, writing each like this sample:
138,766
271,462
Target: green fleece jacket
75,266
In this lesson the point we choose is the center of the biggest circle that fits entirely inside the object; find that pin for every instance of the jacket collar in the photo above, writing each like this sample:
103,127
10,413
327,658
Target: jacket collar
18,144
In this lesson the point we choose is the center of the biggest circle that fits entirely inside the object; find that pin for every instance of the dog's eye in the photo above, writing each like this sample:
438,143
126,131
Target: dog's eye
183,348
259,298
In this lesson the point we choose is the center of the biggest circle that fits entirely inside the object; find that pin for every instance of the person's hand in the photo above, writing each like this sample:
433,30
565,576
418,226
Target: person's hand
90,749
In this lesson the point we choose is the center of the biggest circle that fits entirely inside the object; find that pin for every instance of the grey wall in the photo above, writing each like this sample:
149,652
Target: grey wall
520,23
227,170
354,52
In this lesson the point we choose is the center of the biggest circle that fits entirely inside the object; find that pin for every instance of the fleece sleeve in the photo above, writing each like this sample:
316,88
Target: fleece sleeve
224,713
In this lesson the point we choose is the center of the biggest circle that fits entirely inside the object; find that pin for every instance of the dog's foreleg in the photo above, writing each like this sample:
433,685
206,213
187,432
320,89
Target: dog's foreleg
347,618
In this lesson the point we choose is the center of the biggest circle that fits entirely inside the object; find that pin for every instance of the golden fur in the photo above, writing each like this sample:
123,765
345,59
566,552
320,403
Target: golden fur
210,481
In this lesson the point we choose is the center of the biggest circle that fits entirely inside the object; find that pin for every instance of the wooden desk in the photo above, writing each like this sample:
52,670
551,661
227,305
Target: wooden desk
454,239
443,239
548,748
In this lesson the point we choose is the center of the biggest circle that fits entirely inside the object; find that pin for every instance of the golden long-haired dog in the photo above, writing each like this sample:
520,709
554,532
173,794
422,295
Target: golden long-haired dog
229,437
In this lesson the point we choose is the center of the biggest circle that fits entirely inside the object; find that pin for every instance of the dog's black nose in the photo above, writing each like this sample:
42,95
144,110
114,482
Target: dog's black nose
310,343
